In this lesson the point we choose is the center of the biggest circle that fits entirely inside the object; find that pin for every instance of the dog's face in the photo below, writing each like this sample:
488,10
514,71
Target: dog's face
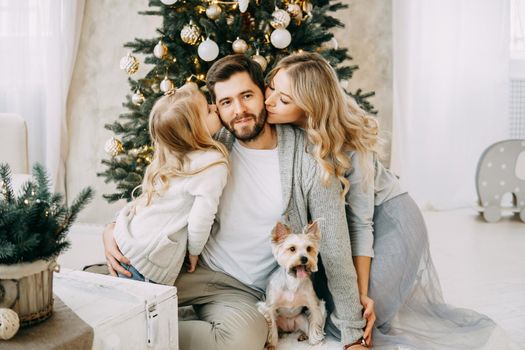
296,253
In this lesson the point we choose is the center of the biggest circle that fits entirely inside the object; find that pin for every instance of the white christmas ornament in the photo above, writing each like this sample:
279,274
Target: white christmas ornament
160,50
137,98
281,38
9,323
208,50
243,5
166,85
168,2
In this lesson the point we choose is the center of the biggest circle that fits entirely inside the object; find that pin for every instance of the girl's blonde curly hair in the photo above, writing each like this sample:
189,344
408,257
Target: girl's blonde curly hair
176,129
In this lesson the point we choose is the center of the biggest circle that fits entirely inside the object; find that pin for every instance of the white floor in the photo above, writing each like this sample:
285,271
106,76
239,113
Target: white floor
481,265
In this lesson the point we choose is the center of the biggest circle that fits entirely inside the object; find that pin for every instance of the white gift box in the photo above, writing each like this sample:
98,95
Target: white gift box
123,313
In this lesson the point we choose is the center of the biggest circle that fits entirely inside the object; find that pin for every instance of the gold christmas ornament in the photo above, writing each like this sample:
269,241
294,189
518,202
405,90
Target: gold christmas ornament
280,19
155,87
166,85
213,11
239,46
190,33
160,50
260,60
307,6
9,323
134,152
129,63
113,146
295,10
137,98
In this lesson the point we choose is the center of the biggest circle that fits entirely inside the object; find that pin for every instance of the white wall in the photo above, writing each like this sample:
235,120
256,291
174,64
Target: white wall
99,87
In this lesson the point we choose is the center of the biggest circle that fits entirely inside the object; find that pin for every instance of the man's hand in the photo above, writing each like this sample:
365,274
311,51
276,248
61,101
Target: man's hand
193,262
113,253
370,317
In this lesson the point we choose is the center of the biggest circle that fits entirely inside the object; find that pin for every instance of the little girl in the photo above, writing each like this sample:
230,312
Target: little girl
180,190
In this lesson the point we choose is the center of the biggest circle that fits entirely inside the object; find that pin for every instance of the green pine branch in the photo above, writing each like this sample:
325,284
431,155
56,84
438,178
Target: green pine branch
34,223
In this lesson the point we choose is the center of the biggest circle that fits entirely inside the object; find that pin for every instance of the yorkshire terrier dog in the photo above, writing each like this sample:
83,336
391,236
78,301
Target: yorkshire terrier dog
291,303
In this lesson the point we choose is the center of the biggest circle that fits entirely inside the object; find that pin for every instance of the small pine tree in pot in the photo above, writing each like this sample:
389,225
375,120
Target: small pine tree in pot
33,226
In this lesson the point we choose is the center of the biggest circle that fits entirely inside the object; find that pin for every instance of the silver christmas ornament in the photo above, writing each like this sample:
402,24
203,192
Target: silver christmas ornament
129,63
280,19
213,11
243,5
137,98
168,2
160,50
190,33
239,46
166,85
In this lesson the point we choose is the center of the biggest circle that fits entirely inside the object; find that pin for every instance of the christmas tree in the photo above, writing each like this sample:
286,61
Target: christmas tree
193,35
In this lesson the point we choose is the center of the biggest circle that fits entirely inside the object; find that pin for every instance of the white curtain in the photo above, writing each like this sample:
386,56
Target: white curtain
451,61
39,41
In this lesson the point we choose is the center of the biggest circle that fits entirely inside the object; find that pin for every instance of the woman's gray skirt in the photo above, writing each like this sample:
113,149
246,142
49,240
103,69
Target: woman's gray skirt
411,312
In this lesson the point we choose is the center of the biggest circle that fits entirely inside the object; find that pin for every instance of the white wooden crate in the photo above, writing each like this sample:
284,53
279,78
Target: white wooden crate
124,314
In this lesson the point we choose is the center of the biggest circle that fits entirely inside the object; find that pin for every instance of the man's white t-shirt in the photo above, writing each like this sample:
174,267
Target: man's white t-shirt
250,206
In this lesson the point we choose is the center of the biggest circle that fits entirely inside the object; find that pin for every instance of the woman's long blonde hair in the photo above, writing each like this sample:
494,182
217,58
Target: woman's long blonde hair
176,129
335,124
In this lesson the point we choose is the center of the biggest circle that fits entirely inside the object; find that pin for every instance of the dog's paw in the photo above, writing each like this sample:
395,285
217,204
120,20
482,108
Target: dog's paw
316,336
302,337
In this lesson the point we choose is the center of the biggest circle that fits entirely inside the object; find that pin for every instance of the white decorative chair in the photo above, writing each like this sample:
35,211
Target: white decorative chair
13,142
13,147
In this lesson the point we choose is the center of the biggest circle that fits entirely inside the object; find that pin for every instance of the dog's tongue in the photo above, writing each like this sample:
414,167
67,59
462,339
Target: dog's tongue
301,272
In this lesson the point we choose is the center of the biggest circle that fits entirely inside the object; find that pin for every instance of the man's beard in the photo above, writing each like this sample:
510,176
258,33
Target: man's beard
247,134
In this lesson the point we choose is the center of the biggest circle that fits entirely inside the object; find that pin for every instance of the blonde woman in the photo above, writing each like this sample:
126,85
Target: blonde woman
180,190
396,276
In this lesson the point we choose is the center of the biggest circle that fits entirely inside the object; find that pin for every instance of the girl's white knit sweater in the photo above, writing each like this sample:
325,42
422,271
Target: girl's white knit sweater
155,238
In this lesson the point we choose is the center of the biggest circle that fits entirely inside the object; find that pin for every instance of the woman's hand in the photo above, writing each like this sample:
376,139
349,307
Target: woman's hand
193,262
370,316
113,253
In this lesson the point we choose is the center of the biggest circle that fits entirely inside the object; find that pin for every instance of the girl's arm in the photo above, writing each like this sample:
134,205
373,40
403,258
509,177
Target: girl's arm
206,188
